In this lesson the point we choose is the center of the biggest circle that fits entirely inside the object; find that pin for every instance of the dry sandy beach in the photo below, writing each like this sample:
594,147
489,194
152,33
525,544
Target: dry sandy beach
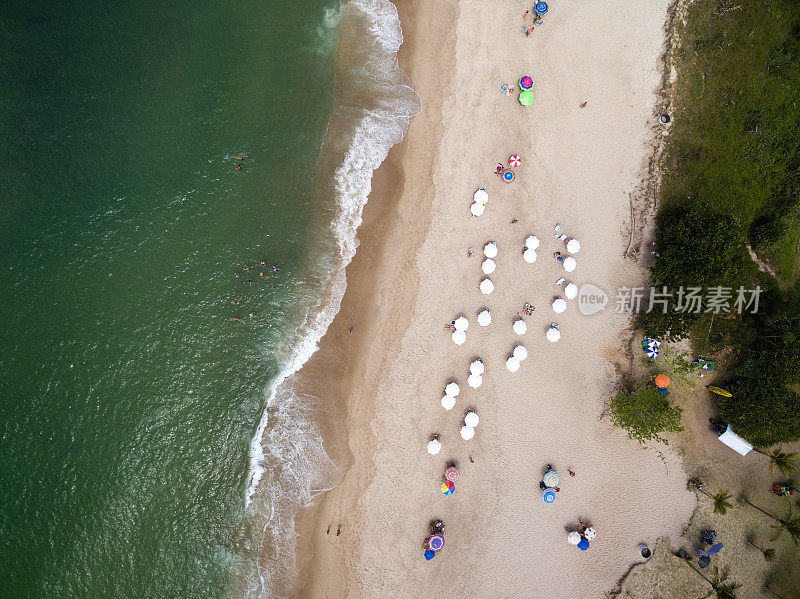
412,276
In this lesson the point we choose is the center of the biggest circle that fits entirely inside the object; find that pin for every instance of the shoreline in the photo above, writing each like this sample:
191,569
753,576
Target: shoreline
334,369
360,370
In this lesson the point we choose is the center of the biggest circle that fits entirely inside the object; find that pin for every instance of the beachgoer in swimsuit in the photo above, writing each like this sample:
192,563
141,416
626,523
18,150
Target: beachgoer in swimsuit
558,256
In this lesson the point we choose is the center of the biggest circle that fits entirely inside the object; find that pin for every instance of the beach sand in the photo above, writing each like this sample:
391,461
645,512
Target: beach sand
582,168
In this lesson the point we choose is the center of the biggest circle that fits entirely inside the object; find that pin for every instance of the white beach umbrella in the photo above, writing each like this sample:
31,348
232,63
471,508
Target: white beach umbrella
471,419
485,318
574,537
559,305
477,209
477,367
486,286
490,250
529,256
553,334
532,242
520,353
590,533
461,323
519,326
459,337
573,246
448,401
512,364
467,432
569,264
452,389
434,447
488,266
480,196
475,381
571,291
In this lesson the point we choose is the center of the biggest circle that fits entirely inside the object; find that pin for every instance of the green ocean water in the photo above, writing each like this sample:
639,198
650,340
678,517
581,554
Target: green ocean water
128,397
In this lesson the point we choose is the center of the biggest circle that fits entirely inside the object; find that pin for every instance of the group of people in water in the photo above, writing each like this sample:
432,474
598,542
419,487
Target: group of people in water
247,269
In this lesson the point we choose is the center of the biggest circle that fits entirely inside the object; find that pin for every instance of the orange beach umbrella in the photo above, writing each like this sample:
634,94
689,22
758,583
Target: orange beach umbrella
662,381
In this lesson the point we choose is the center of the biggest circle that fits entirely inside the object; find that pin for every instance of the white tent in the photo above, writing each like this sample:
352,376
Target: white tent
519,326
477,209
520,353
434,447
459,337
532,242
461,323
573,246
569,263
486,286
448,401
559,305
529,256
571,291
553,334
452,389
735,442
490,250
471,419
475,381
477,367
480,196
467,432
512,364
488,266
485,318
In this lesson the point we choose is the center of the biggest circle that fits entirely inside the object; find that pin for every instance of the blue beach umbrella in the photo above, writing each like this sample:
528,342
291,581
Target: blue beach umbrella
429,555
651,351
540,8
549,495
583,545
508,176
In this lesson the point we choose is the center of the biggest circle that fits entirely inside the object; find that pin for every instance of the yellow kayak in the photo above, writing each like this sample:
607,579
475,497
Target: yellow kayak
720,391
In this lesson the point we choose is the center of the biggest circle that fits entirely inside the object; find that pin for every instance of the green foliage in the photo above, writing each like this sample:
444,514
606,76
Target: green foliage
678,366
721,502
769,554
645,414
764,408
784,461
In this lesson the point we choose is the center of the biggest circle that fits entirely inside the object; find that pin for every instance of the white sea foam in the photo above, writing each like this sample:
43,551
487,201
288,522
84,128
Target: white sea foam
287,440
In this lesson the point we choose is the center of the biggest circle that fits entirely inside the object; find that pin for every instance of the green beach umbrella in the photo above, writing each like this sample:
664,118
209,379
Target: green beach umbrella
526,97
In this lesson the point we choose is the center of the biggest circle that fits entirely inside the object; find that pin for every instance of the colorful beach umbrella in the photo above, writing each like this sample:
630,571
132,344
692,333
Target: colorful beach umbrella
662,381
429,555
574,537
550,479
590,533
435,542
452,474
526,97
540,8
526,82
651,351
514,160
508,176
549,495
583,545
448,488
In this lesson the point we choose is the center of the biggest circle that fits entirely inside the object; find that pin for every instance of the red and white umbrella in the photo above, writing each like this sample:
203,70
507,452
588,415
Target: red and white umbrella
514,161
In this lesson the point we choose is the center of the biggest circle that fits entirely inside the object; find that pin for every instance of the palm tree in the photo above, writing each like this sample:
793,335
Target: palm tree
771,592
783,461
721,498
720,586
768,552
789,524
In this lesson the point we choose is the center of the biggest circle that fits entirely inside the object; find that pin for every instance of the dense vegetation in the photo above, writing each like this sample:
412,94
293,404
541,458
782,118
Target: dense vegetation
732,180
645,414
